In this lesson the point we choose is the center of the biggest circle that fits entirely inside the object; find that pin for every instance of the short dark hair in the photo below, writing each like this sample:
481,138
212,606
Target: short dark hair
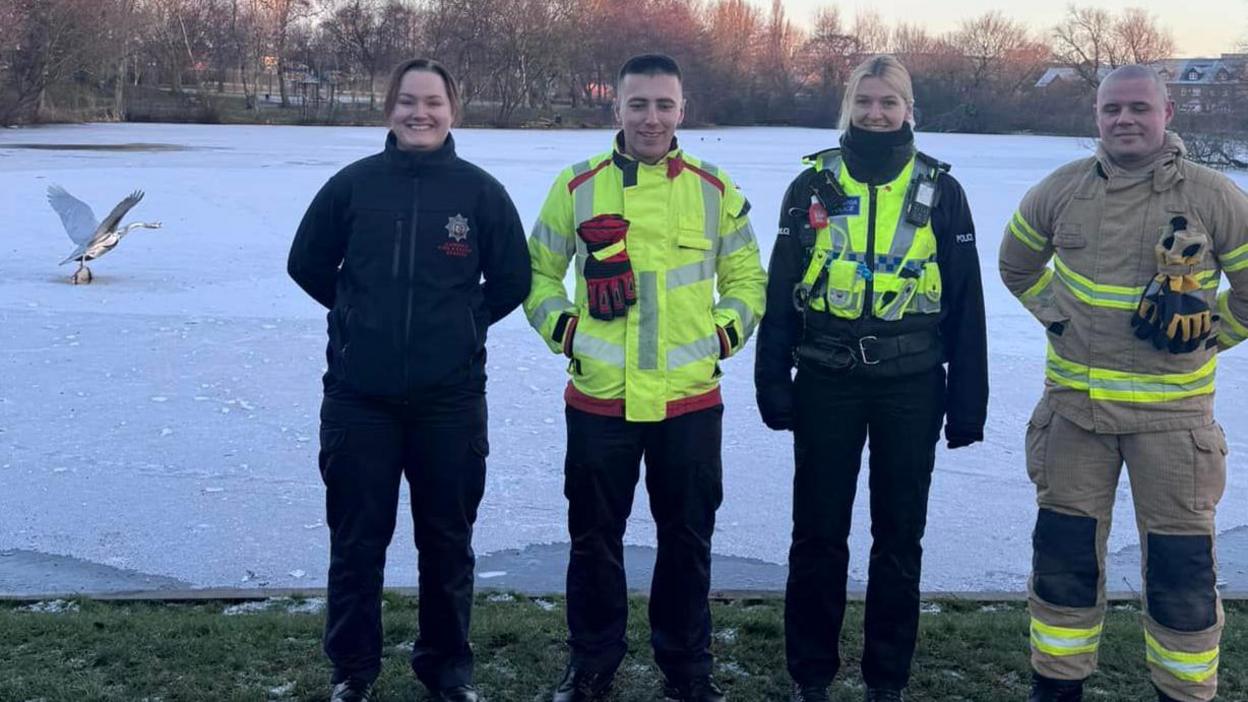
649,65
422,64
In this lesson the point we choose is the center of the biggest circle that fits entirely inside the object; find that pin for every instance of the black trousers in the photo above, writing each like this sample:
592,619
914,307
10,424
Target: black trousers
367,447
685,483
836,414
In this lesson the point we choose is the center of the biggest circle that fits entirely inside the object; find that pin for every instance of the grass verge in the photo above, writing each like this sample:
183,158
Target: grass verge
968,651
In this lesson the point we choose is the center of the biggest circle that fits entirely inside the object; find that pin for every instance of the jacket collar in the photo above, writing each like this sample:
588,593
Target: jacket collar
628,164
1166,170
419,161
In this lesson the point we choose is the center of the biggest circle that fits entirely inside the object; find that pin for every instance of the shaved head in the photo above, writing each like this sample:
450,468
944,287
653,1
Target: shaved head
1135,72
1133,109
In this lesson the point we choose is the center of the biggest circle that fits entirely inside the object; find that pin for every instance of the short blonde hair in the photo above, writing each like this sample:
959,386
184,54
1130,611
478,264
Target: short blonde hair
885,67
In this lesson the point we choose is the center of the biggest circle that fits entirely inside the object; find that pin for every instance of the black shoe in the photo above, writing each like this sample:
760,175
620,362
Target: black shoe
352,690
579,685
699,689
810,693
1049,690
459,693
879,694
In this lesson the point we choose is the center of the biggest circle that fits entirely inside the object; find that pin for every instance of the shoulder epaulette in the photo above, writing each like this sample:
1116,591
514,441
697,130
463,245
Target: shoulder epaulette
933,162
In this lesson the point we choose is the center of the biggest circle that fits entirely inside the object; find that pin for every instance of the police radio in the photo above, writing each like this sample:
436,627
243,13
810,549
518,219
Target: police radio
919,202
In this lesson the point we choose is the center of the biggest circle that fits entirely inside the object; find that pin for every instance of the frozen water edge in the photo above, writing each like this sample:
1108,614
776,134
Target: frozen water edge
164,419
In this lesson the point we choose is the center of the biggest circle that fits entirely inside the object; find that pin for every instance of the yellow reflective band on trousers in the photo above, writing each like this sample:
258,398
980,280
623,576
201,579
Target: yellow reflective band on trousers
1061,641
904,276
1190,667
1119,386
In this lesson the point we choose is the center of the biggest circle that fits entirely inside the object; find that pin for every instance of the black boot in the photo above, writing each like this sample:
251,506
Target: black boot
579,685
1163,697
1049,690
459,693
699,689
352,690
810,693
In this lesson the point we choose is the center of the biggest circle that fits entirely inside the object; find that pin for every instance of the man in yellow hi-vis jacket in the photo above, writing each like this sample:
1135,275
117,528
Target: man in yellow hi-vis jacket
653,234
1139,238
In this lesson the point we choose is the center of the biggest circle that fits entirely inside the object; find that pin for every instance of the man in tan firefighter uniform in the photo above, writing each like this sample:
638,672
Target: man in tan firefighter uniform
653,233
1140,239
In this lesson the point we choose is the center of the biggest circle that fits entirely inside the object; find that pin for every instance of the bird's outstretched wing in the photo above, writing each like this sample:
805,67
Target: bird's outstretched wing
114,218
75,214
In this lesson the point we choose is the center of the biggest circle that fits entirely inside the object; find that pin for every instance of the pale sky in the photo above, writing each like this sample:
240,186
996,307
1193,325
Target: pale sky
1200,27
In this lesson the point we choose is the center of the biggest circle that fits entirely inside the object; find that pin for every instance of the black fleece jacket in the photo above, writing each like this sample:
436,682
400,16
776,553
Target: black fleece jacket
396,246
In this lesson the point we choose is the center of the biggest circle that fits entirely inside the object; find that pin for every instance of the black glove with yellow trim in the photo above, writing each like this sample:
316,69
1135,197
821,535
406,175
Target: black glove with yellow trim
1171,312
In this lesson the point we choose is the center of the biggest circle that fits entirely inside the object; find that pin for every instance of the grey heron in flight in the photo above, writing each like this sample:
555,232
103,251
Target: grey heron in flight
94,239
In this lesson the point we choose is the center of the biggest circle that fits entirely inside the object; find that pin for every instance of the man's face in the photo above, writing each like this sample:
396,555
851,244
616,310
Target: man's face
649,108
1132,114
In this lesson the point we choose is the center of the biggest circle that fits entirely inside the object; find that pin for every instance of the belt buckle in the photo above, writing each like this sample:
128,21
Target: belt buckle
862,351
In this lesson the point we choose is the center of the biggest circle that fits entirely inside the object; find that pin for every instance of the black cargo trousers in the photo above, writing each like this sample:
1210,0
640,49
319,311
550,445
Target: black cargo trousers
836,414
685,484
439,443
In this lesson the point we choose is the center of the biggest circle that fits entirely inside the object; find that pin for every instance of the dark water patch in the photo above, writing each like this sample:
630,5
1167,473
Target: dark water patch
138,146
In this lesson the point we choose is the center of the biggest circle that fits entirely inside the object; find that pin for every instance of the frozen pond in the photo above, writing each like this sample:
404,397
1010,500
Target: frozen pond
159,426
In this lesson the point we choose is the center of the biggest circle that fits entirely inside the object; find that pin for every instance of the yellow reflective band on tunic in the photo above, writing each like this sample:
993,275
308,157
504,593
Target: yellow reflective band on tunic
547,307
1061,641
1190,667
553,241
1119,386
1236,260
1042,288
1025,233
1231,331
1118,297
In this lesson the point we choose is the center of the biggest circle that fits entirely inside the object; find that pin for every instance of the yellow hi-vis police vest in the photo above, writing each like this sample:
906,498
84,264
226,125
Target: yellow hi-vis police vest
869,225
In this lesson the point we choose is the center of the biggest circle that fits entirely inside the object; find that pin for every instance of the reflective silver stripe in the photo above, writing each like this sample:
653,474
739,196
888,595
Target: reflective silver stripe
583,196
695,351
839,225
743,310
549,306
648,325
555,242
903,235
592,347
737,240
691,273
712,200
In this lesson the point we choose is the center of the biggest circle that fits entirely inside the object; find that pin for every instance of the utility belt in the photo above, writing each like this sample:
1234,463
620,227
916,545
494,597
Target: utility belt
873,355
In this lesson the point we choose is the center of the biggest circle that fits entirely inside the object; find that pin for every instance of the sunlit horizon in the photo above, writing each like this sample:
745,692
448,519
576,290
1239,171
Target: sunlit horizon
1207,29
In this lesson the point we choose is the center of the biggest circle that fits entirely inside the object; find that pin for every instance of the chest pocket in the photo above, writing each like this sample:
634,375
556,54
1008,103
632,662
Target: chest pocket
1069,235
450,242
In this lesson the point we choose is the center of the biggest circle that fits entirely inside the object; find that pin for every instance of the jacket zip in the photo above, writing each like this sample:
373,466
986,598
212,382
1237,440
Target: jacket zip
868,305
411,275
398,247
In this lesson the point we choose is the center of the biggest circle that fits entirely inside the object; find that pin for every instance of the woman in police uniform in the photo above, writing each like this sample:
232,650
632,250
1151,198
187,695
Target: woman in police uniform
873,289
396,246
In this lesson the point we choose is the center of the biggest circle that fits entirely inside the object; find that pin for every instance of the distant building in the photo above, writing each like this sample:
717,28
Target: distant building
1197,85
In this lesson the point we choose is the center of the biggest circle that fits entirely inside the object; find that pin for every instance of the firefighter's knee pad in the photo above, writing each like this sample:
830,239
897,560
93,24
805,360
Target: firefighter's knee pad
1180,582
1064,563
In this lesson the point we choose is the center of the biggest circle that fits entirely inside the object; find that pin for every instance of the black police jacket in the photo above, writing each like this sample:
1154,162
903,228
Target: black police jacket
396,246
961,326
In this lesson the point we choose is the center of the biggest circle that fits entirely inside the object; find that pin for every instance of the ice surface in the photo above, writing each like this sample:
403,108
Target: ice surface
164,418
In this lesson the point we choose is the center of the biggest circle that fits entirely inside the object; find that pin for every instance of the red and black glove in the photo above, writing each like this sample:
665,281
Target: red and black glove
608,272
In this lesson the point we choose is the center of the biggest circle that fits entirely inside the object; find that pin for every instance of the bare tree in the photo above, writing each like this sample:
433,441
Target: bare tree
1085,41
1140,38
355,30
871,31
42,42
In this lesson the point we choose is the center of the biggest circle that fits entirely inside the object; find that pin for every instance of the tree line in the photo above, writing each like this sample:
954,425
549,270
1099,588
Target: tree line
522,58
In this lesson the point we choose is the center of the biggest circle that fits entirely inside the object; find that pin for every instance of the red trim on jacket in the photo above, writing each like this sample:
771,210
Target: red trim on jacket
719,184
577,181
615,408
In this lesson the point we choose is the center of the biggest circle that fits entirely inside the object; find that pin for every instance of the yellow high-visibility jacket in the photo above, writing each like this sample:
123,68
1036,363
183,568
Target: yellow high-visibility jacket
1099,224
689,236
